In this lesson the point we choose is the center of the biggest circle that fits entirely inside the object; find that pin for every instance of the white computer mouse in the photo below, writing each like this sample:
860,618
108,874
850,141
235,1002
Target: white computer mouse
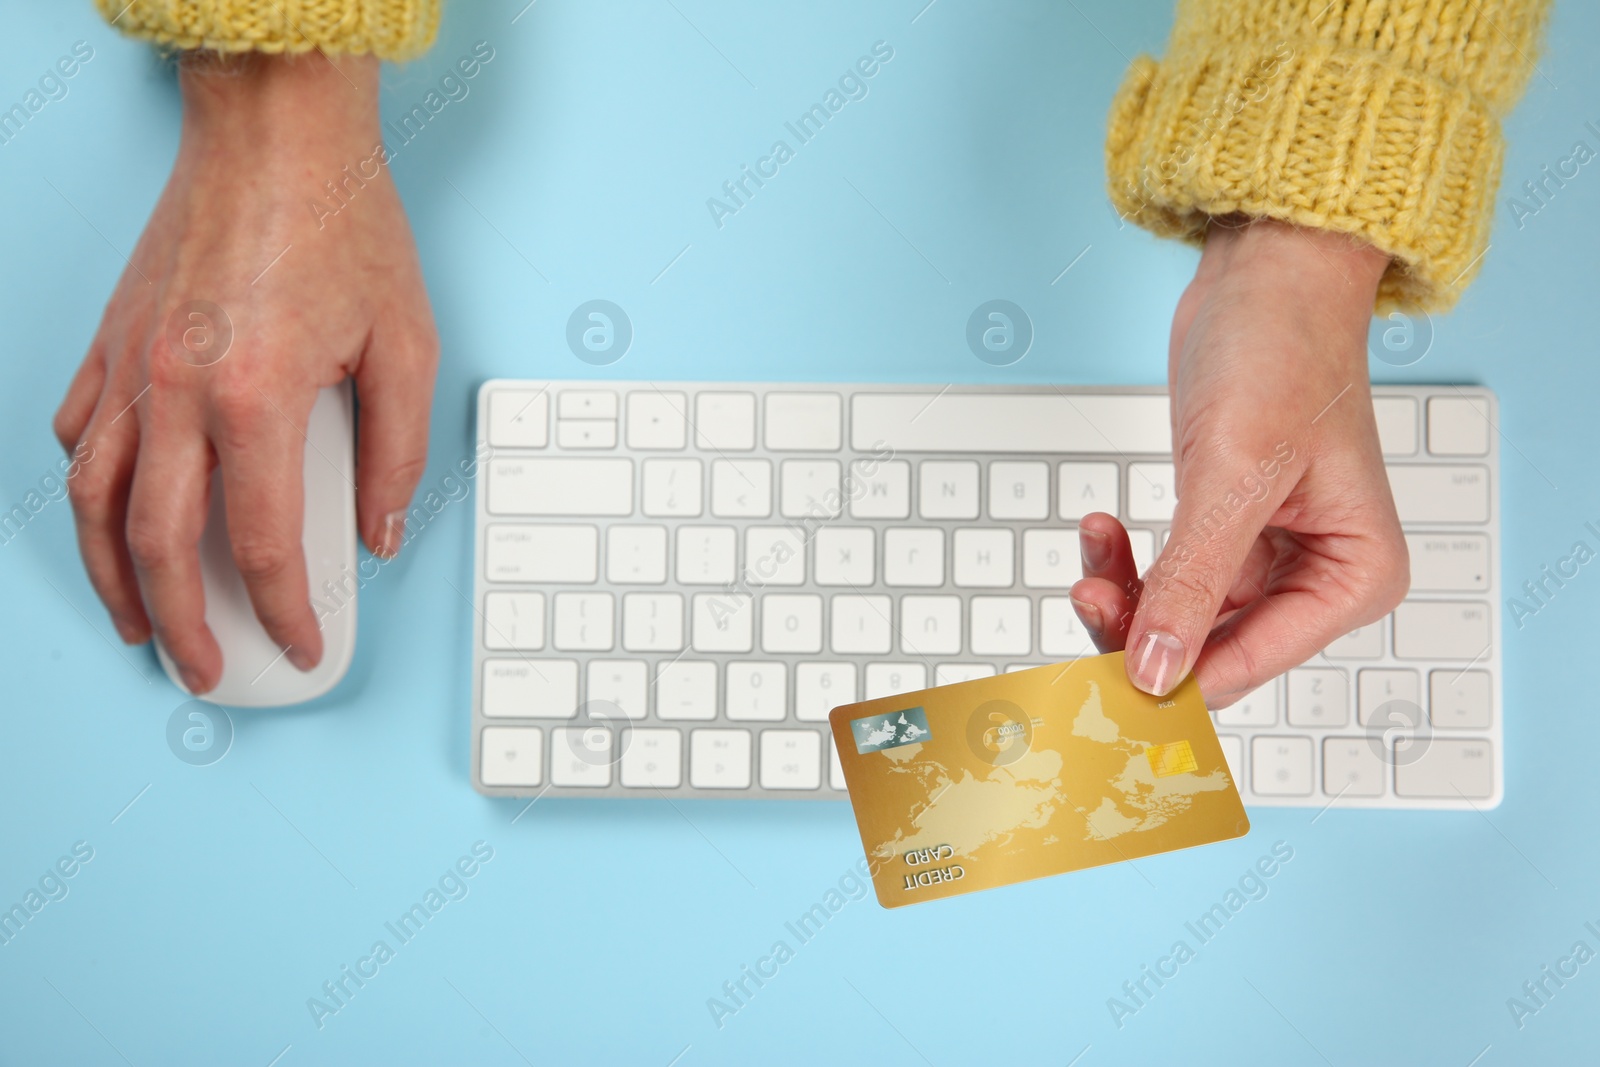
255,672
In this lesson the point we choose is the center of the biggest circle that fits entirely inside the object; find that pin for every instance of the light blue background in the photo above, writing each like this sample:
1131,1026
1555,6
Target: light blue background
226,895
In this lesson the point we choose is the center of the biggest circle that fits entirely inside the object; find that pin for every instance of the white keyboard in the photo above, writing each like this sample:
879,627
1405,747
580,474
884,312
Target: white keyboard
676,582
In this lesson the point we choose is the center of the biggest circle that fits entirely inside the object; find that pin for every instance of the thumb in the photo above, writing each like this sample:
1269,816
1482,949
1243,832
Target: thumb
394,385
1223,505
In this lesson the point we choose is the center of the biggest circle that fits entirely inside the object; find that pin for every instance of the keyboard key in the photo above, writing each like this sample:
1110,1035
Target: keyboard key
1281,766
1061,632
1458,426
519,418
791,623
774,555
1375,688
586,433
947,489
1258,707
686,689
707,555
1143,543
1019,490
1233,756
587,404
583,622
1397,424
880,490
951,673
983,558
656,421
844,555
1086,487
723,622
913,557
1364,642
810,488
565,486
890,679
725,422
636,555
1449,769
1442,629
1460,700
517,553
741,488
821,687
512,755
804,422
1319,697
719,759
791,759
1051,559
757,692
930,625
652,622
962,422
513,620
530,688
1001,625
671,488
618,687
652,758
860,624
1437,493
1152,492
835,769
1351,767
581,755
1449,563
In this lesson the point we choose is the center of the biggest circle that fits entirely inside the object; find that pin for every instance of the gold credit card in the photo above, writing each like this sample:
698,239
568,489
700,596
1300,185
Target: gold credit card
1023,775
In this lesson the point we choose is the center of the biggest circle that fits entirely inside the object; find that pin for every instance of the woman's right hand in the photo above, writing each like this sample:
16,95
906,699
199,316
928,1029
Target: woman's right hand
313,295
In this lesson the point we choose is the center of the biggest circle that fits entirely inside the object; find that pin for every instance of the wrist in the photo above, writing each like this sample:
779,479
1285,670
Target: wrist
252,106
1343,271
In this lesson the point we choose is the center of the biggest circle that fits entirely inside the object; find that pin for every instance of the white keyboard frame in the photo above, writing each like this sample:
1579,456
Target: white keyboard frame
1318,798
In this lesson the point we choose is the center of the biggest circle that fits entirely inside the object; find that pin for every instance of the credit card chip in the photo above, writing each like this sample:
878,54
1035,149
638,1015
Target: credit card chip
1176,758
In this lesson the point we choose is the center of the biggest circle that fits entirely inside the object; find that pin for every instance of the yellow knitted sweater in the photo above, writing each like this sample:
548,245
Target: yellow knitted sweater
391,29
1377,118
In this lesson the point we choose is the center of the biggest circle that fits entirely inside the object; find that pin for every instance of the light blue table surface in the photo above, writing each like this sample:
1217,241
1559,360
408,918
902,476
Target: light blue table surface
219,899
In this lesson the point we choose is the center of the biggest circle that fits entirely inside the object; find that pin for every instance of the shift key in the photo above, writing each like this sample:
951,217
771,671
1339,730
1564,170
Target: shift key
1440,493
552,486
1449,769
1441,629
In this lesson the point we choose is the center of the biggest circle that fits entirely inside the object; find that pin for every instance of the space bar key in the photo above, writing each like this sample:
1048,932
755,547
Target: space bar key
1010,422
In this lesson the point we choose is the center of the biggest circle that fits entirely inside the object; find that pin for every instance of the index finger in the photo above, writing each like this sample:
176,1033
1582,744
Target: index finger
261,453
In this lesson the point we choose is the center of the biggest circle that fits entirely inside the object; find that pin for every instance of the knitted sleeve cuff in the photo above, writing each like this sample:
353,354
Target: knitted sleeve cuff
1315,134
389,29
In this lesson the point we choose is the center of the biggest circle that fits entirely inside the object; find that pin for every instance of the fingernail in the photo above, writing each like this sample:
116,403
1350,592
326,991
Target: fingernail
1156,662
1089,614
191,681
1096,549
389,538
130,634
301,659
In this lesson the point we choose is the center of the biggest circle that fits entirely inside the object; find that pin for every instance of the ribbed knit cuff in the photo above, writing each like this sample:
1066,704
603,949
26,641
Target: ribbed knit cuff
389,29
1315,134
